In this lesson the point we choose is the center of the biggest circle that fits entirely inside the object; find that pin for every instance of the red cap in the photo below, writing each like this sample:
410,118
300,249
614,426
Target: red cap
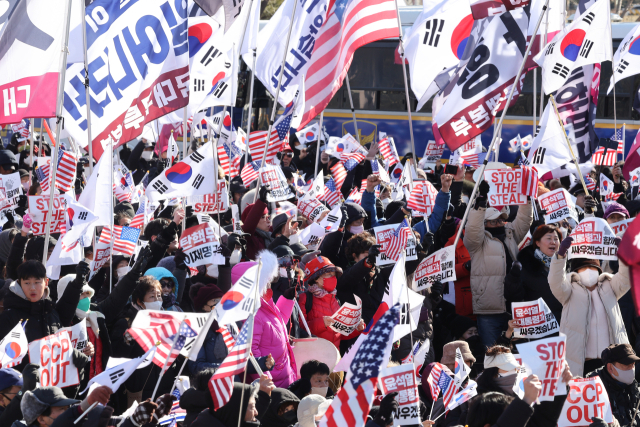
317,267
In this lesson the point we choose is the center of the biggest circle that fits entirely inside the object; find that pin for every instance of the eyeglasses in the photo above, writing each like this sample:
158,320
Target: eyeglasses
495,222
288,154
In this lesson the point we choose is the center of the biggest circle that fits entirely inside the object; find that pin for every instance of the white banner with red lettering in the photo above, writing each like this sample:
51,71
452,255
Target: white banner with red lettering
311,208
211,203
39,209
383,236
347,317
273,178
620,226
593,239
402,379
78,334
504,187
558,204
587,398
438,267
201,246
534,319
546,359
54,354
432,153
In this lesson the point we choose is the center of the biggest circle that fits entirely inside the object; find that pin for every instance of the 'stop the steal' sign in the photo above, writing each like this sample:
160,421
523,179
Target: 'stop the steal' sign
546,359
201,247
593,239
504,187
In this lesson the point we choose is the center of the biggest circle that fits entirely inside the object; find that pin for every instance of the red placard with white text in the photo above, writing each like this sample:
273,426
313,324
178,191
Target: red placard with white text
347,317
558,205
432,152
438,267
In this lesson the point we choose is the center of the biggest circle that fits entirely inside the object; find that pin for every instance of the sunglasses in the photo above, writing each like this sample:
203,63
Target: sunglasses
288,154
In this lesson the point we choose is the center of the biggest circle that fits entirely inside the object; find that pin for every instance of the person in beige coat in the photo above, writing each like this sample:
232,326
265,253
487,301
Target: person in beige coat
591,317
493,246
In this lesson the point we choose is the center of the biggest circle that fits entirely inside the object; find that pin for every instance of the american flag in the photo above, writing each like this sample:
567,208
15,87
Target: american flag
250,172
42,173
611,156
590,183
331,193
448,387
125,238
473,160
185,331
418,198
22,128
349,25
351,160
434,380
339,174
529,182
352,404
162,329
612,197
398,240
138,219
618,135
221,384
229,340
283,124
66,174
257,142
229,156
388,151
375,167
355,196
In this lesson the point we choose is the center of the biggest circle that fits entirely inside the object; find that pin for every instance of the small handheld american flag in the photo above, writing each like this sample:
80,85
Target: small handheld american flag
433,381
529,183
339,174
398,241
250,172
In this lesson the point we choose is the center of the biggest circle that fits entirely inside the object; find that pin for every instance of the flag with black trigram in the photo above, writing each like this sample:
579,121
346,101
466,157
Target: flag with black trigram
626,60
549,149
115,376
223,80
14,346
239,302
587,40
186,177
434,29
332,221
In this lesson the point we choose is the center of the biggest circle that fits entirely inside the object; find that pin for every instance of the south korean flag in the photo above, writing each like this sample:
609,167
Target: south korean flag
586,41
193,176
222,89
626,61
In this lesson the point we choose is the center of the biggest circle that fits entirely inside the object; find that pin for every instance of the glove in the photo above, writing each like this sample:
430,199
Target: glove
598,422
30,377
481,199
374,251
387,408
345,216
516,268
164,404
226,252
589,204
141,263
144,412
99,395
427,241
564,246
467,265
26,223
617,241
436,289
262,194
179,258
290,293
83,270
235,239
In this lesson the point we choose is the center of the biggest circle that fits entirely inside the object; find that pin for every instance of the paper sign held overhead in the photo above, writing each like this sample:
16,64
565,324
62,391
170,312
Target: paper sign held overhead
593,239
535,319
558,205
504,187
438,267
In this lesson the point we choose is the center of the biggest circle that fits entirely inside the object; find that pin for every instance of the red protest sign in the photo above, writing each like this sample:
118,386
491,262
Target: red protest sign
558,205
201,246
438,267
402,379
587,398
534,319
546,359
432,152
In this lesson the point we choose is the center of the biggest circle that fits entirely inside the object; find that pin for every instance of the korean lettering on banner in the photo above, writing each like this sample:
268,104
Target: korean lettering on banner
438,267
311,208
347,317
558,204
211,203
138,53
504,187
593,239
383,238
78,334
620,226
201,246
273,177
235,217
587,398
534,319
100,258
54,354
432,152
546,359
402,379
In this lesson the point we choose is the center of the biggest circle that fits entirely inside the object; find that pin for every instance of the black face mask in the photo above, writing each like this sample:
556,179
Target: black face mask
496,232
168,300
290,417
250,423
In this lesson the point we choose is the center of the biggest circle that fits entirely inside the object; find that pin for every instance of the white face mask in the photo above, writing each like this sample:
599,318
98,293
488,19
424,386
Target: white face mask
156,305
625,377
322,391
386,202
147,155
26,186
356,229
212,270
564,232
236,256
465,199
589,277
122,271
27,160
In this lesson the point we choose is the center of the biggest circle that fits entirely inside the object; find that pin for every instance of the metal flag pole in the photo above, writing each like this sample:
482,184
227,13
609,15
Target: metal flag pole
320,137
33,143
164,365
59,106
495,135
353,110
275,99
406,83
87,90
111,154
249,118
546,32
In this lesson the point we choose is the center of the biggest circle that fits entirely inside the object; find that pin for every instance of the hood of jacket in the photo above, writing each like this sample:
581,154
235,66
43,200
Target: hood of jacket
280,397
160,273
16,290
228,414
194,400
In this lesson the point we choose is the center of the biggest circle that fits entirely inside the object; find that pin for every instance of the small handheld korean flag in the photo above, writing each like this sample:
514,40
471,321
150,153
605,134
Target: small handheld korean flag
13,347
116,376
238,303
461,371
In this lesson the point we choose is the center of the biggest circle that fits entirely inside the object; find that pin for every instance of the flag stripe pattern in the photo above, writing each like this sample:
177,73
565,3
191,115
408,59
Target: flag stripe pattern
610,158
398,241
258,141
250,172
591,184
529,184
351,160
339,174
221,384
229,341
388,151
66,174
125,238
162,331
448,387
349,25
331,193
433,381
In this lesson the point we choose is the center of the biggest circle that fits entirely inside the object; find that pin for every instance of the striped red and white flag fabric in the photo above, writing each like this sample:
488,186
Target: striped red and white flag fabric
434,380
125,238
353,402
349,24
398,240
418,198
66,174
43,176
610,158
229,340
612,197
351,160
388,151
258,141
473,160
161,330
331,193
590,183
250,172
339,174
221,384
529,183
448,387
355,196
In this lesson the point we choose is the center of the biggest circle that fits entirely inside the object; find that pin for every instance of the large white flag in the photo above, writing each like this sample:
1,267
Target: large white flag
98,193
115,376
626,61
79,221
549,148
13,347
586,41
238,303
272,44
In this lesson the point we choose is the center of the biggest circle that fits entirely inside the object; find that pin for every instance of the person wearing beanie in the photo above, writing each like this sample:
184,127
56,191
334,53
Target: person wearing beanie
123,213
463,327
449,354
615,212
591,317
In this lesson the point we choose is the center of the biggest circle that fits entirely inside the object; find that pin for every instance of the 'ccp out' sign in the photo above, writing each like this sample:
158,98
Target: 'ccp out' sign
587,398
54,354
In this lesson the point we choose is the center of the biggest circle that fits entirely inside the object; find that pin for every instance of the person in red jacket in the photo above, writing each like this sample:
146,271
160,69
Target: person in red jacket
321,281
462,284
